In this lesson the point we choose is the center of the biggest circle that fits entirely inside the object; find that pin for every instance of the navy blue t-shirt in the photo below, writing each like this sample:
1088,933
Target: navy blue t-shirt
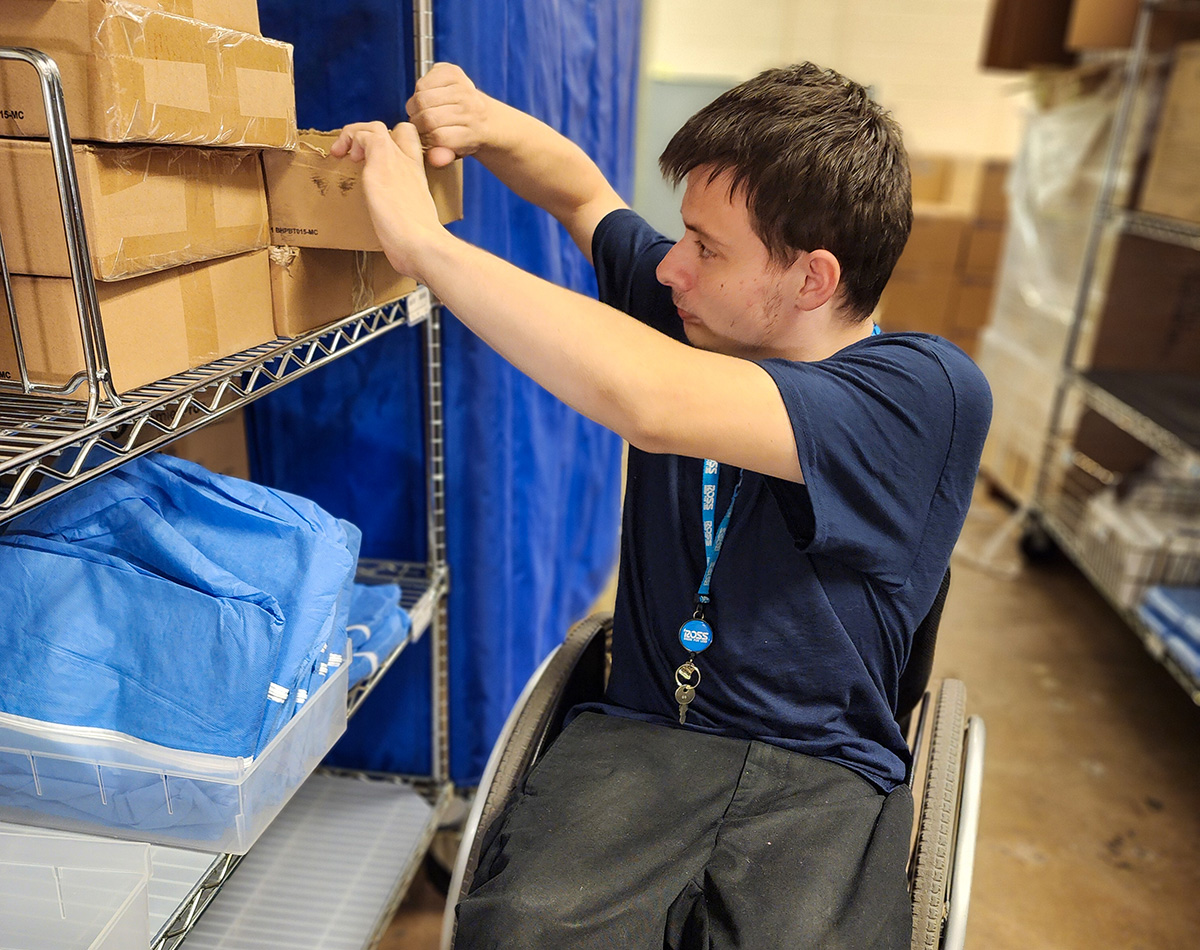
819,587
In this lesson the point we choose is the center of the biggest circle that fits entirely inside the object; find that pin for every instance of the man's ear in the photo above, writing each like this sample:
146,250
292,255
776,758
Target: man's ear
817,278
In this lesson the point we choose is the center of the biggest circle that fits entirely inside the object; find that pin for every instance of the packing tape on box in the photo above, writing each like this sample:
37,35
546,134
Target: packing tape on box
364,284
200,311
205,217
258,89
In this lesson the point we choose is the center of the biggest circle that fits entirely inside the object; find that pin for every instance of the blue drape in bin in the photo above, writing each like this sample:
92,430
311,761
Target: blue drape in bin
533,489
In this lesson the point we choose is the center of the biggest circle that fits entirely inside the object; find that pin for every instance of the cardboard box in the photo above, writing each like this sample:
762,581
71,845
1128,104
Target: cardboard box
965,340
1151,315
1111,24
1172,183
992,202
919,302
312,287
315,200
979,253
240,15
935,241
1102,24
219,446
154,326
1023,34
135,75
144,208
930,177
970,307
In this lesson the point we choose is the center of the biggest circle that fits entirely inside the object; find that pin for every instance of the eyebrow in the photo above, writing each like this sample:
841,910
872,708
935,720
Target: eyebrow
704,235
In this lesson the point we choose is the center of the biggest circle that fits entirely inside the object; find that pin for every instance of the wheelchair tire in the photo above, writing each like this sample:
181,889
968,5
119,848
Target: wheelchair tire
558,688
933,853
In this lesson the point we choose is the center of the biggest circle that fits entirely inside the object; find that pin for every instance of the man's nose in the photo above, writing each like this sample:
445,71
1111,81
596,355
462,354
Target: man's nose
670,271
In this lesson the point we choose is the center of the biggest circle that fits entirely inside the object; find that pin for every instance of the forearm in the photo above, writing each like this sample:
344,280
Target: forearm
600,362
548,170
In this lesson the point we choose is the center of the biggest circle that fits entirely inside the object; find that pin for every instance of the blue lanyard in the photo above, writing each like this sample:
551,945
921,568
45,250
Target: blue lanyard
708,509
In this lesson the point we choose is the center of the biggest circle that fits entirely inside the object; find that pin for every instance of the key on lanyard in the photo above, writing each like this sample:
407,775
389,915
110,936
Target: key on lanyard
686,688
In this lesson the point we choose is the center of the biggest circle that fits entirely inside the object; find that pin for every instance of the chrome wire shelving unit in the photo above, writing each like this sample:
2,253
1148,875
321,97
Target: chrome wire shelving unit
1157,410
56,436
50,444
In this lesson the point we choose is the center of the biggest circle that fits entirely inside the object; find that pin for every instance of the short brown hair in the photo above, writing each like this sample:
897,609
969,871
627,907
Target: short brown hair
821,164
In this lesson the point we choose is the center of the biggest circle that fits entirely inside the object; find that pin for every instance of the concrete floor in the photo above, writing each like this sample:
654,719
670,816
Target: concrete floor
1090,828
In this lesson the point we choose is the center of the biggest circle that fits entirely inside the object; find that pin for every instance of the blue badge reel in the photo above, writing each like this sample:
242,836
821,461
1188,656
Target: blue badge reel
696,636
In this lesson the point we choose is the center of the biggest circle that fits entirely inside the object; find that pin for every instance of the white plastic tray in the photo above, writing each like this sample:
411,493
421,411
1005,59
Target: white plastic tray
99,782
61,893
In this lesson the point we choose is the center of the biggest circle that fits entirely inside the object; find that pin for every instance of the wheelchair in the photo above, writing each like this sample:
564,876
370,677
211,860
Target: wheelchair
947,769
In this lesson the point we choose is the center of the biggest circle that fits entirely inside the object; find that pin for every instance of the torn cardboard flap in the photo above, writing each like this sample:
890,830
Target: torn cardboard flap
315,200
132,74
154,326
144,208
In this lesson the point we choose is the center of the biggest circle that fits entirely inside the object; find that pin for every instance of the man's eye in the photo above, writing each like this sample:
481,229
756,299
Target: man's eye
704,251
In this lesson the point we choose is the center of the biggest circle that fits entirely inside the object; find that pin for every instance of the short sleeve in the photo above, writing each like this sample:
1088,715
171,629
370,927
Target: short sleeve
881,429
626,252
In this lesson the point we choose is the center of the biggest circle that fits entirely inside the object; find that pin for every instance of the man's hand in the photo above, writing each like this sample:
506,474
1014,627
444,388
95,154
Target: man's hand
450,113
397,191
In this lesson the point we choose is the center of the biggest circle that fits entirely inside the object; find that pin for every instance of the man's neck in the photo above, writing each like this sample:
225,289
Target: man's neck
837,336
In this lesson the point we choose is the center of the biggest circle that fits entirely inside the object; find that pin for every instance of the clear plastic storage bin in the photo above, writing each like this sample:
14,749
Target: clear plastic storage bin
72,894
101,782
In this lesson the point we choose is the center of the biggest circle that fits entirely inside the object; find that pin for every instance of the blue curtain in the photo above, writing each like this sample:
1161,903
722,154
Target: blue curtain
533,488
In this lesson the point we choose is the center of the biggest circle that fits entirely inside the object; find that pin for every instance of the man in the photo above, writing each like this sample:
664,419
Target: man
796,483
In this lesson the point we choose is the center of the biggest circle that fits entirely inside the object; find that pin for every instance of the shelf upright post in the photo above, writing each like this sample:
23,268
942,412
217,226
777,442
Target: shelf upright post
1134,65
435,463
95,352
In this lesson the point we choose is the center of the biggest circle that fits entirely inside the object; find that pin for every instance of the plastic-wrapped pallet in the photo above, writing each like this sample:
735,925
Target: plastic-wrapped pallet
1053,184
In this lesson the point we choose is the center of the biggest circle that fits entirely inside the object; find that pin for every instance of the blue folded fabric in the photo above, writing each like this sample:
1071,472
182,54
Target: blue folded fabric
1179,609
378,625
161,601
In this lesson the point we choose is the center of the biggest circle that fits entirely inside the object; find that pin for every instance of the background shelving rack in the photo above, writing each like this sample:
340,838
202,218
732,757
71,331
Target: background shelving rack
50,443
1159,410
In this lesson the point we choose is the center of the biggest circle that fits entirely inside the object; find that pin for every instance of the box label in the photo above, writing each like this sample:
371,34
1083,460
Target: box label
419,305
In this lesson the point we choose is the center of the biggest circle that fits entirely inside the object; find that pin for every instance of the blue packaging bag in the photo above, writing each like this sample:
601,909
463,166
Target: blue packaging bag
177,606
378,624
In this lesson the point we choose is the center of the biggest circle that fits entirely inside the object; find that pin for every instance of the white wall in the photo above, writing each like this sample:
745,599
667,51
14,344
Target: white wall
919,56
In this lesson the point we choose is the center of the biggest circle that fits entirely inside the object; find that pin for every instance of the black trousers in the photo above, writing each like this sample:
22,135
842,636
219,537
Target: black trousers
643,836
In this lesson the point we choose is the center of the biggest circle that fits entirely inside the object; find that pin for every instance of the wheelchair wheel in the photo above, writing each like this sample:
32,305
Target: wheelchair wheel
572,674
938,817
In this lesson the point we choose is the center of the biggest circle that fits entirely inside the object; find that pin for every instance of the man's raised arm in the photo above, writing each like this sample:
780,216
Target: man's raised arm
456,119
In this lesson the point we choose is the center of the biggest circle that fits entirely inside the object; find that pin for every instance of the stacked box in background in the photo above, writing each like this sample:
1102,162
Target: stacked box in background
177,228
943,281
1170,187
133,74
1053,185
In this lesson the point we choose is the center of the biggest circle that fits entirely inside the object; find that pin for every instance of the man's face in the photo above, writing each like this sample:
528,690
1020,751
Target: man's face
729,294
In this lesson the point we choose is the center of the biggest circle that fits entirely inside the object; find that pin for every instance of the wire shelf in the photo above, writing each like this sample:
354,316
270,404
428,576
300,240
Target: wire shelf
420,589
48,445
1154,644
1157,409
1159,228
1119,563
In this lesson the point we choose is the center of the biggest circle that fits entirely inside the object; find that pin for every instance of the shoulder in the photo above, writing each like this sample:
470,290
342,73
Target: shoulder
624,231
912,357
912,375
